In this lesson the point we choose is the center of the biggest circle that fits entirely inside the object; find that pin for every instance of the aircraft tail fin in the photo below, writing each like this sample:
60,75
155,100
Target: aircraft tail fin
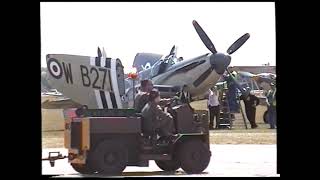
97,82
143,61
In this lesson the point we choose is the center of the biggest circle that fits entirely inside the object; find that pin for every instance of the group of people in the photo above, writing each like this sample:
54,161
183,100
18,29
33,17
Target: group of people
147,102
155,117
250,101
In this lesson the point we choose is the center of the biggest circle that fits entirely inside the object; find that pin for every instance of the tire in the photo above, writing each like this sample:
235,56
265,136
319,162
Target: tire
265,117
171,165
82,168
194,156
109,157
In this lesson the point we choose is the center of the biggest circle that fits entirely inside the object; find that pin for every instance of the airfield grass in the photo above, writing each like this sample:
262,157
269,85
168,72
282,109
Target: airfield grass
237,135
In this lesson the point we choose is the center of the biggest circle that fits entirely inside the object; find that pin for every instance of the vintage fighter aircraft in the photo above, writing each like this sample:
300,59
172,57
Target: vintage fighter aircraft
198,73
98,82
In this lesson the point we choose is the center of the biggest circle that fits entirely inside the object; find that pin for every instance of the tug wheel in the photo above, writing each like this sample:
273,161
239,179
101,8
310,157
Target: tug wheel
82,168
194,156
169,165
110,157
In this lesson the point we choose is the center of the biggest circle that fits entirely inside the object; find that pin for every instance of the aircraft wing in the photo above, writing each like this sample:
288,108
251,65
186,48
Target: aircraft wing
264,79
60,104
246,74
97,82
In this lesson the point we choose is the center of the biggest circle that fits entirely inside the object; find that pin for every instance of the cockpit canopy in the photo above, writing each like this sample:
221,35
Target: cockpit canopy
162,65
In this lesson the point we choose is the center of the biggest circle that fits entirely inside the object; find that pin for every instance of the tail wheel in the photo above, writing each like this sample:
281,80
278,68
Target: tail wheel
109,157
82,168
194,156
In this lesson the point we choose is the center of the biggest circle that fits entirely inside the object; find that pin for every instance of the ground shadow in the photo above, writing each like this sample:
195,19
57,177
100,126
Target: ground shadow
142,173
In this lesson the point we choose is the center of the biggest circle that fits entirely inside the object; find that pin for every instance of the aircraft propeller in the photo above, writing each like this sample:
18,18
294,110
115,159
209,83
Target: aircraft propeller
208,43
220,61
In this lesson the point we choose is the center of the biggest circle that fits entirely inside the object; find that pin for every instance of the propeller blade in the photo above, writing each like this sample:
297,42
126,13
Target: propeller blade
238,43
204,37
99,52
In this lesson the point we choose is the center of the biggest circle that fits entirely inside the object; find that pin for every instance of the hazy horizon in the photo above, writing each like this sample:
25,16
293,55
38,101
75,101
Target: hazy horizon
125,29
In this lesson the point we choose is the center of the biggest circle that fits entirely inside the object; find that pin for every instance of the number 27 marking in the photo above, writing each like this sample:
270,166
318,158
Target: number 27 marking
86,81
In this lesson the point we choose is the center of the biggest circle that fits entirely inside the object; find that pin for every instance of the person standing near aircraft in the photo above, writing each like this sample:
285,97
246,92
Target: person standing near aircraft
142,96
232,93
214,107
185,95
250,103
271,102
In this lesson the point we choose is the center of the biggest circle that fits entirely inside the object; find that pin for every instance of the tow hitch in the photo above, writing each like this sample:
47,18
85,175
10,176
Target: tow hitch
52,159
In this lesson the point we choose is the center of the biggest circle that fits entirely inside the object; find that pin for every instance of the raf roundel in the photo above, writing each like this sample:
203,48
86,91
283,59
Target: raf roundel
54,68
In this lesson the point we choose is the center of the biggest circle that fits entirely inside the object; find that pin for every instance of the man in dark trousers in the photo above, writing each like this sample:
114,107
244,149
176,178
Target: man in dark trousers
250,103
271,102
185,95
213,106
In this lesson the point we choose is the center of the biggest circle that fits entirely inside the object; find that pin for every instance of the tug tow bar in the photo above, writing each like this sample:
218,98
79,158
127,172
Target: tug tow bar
52,159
